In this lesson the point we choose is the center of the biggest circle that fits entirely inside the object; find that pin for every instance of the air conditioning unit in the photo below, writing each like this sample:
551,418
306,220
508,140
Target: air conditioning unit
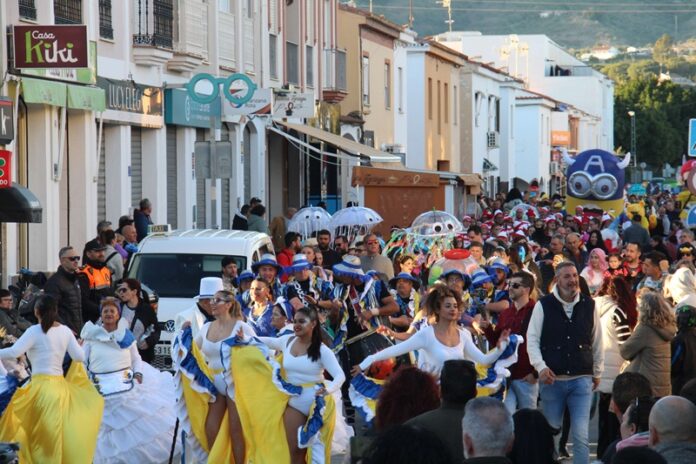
493,139
554,168
392,148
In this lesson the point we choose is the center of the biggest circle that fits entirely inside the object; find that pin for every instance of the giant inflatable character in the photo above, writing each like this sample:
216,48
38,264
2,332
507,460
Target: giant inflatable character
687,197
595,181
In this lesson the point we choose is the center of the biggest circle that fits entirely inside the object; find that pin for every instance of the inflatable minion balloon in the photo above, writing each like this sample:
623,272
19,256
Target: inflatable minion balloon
595,180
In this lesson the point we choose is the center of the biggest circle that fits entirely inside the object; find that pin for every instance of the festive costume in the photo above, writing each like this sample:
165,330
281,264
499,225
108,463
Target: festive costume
139,418
55,419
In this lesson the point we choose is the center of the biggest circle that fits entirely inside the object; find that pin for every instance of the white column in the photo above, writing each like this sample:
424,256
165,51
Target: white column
117,159
237,187
42,153
155,172
82,143
258,160
186,188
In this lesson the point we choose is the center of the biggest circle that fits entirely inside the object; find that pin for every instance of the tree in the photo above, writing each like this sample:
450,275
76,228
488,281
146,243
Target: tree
663,48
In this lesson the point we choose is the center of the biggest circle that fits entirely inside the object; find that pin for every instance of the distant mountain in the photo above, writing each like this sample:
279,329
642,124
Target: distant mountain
572,23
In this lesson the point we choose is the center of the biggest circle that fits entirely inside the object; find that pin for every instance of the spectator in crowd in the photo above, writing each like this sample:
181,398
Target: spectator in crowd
457,387
476,250
632,262
101,227
617,312
341,245
561,322
64,286
142,219
593,273
130,243
330,257
373,260
533,438
616,267
634,427
113,258
279,227
408,393
293,245
638,455
523,387
627,387
595,240
577,253
648,348
684,348
636,233
256,221
10,320
406,263
652,269
240,220
123,221
685,244
680,288
673,429
488,431
229,273
408,443
688,391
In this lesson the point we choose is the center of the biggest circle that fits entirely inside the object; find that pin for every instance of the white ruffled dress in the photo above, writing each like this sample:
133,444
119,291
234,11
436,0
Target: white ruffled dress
139,419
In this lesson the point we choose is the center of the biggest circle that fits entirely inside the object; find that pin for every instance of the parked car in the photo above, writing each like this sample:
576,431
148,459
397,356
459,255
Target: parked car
173,263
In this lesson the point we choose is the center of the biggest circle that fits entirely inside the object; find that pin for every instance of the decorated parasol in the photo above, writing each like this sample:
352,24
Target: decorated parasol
310,220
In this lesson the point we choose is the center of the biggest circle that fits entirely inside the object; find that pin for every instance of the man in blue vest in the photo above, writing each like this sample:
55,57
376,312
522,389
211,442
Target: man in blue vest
565,348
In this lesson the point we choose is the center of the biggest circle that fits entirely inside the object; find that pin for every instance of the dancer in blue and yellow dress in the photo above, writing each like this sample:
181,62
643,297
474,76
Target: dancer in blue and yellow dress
54,418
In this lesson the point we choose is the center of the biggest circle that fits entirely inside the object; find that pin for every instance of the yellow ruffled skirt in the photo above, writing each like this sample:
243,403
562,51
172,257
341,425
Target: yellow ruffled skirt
54,419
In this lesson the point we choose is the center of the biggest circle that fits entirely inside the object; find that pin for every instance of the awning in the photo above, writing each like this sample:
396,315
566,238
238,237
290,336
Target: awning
343,144
18,204
86,98
44,92
77,97
471,179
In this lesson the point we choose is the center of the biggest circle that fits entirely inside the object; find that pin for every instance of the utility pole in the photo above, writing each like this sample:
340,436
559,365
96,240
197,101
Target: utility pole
448,4
632,115
410,14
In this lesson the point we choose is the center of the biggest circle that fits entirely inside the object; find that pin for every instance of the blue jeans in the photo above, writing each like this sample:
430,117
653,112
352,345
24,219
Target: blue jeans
577,395
521,394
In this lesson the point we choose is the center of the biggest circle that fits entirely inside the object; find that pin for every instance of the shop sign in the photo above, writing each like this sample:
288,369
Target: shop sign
39,46
294,105
5,169
86,75
6,120
131,97
560,138
181,110
259,104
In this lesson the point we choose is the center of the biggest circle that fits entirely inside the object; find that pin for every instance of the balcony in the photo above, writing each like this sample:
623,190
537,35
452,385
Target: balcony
27,10
572,71
154,26
334,83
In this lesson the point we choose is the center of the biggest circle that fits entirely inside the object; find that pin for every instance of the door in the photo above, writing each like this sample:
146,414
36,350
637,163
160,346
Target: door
172,178
136,171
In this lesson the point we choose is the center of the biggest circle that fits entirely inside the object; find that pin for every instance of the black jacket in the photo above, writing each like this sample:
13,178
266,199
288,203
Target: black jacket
240,222
147,317
66,289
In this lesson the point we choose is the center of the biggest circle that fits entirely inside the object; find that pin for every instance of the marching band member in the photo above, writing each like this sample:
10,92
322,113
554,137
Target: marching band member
305,289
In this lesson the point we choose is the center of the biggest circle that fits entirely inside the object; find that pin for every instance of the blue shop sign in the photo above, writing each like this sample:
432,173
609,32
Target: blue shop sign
181,110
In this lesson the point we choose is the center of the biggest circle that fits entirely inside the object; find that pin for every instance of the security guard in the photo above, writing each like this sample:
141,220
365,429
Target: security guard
95,281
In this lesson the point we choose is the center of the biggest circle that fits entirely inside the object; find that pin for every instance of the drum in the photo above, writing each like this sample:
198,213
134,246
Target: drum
365,344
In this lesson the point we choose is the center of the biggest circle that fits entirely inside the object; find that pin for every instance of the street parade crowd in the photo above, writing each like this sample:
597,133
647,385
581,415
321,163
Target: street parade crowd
488,338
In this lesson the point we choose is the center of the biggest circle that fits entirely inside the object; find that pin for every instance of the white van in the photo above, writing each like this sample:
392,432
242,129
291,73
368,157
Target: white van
173,263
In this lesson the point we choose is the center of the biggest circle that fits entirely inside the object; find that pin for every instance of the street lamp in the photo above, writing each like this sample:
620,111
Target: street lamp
632,115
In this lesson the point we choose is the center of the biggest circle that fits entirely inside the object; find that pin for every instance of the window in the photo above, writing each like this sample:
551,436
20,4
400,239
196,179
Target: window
224,6
478,101
250,9
439,113
292,66
106,31
309,59
155,23
446,103
27,9
366,80
455,105
68,11
497,114
273,55
400,81
387,84
430,98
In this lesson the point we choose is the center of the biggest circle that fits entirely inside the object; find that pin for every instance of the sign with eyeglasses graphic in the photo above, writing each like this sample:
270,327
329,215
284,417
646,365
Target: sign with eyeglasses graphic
205,88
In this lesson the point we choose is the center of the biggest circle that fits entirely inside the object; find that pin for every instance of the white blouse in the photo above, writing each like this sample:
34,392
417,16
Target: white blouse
211,350
46,351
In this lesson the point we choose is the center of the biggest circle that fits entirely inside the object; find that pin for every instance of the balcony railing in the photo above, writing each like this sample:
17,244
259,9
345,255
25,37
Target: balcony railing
335,69
154,23
27,9
68,11
106,29
573,71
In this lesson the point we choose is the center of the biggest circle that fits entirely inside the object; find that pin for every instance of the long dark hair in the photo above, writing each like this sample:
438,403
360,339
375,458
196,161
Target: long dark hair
47,309
600,242
314,349
396,402
619,290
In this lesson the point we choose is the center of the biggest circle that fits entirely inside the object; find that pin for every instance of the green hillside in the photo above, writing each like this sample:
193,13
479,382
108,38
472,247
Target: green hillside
571,23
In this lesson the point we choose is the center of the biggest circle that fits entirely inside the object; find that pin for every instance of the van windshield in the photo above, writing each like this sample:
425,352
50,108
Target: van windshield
177,275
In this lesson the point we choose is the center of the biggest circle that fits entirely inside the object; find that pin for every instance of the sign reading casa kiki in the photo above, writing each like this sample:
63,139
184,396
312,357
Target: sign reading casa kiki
50,46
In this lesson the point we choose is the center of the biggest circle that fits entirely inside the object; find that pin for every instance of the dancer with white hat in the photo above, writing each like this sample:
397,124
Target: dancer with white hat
201,311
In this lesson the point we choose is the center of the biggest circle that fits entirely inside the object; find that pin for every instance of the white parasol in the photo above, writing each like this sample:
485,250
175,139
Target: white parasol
354,221
310,220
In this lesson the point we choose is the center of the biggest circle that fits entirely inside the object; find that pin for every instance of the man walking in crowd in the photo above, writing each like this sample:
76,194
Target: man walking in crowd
373,260
523,387
331,257
279,227
141,218
488,432
634,270
652,268
64,286
565,348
